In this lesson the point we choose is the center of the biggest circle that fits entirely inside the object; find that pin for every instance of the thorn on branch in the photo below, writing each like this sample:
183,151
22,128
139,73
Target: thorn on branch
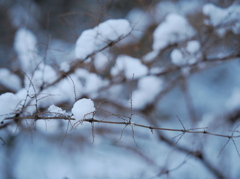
133,134
224,147
93,134
181,123
151,129
235,147
122,131
180,137
2,141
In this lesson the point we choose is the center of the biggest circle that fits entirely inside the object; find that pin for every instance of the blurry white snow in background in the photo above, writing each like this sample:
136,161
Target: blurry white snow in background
224,19
186,55
9,104
92,40
175,28
146,92
25,44
55,110
101,61
129,66
9,80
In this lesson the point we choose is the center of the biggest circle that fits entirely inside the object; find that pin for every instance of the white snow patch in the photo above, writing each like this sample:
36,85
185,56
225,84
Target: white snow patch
156,70
174,29
45,74
9,104
149,57
140,21
193,46
177,57
25,44
224,19
101,61
65,66
82,108
62,92
91,82
186,55
129,66
148,89
93,40
56,110
10,80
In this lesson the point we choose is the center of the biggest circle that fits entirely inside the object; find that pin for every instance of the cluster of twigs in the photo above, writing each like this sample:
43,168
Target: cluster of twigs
127,120
183,131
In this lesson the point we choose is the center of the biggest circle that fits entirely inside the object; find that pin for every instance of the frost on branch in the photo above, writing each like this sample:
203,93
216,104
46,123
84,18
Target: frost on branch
82,108
129,66
9,104
174,29
43,75
9,80
25,45
93,40
187,55
56,110
223,19
148,89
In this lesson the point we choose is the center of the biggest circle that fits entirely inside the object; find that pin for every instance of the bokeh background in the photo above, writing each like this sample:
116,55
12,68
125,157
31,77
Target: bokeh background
204,96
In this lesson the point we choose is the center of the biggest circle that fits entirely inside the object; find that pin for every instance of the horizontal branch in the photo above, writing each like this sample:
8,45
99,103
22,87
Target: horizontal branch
194,131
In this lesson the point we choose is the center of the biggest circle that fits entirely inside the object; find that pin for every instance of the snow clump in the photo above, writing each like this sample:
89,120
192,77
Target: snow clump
56,110
83,108
9,104
225,19
174,29
129,66
93,40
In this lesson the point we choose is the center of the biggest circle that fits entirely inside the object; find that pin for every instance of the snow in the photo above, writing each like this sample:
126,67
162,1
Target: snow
224,20
90,82
177,57
25,45
62,92
149,57
82,108
148,89
174,29
64,66
80,83
193,46
44,74
56,110
93,40
100,62
186,55
9,104
156,70
129,66
9,80
140,21
208,89
234,100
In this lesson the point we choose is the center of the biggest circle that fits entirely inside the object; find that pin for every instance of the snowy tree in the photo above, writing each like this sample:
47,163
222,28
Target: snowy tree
120,89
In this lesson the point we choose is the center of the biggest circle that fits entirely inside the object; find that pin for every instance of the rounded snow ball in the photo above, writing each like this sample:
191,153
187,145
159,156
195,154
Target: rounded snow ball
82,107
